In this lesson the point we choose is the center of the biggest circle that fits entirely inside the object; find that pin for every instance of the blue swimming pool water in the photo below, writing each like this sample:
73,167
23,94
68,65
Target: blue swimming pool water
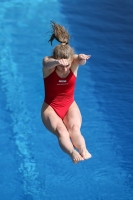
32,166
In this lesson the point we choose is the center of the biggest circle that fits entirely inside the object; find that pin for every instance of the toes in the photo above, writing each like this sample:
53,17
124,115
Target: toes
77,160
76,157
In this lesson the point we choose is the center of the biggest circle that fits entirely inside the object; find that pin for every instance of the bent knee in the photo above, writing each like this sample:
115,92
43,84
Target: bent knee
74,128
61,130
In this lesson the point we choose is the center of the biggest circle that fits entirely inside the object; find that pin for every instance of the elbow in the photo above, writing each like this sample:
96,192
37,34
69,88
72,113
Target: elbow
44,61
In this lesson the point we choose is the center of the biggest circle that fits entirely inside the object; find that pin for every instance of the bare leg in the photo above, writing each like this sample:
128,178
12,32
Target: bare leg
55,125
79,142
73,123
66,144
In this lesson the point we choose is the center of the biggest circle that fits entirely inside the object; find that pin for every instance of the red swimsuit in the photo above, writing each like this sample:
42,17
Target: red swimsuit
59,92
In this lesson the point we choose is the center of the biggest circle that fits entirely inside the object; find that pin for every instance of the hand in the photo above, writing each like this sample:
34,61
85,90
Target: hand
83,57
63,62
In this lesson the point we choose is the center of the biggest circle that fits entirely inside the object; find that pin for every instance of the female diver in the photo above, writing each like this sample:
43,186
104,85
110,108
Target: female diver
60,113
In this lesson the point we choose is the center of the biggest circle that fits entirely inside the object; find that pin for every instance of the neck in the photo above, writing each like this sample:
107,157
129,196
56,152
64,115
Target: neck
62,74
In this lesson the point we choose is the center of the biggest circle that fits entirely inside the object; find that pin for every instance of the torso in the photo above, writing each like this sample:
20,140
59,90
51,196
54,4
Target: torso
59,92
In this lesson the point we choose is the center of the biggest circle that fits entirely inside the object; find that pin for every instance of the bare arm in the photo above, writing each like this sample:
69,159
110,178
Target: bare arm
80,59
49,62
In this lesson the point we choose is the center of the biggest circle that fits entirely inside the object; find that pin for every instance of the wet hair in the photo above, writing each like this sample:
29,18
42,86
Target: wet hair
63,50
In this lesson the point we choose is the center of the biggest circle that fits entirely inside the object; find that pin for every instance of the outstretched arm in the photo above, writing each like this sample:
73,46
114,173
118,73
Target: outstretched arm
81,58
49,62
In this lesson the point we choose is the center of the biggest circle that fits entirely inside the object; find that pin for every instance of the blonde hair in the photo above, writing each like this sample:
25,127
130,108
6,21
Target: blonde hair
62,50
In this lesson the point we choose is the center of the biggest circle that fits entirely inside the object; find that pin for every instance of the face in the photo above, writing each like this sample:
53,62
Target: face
65,69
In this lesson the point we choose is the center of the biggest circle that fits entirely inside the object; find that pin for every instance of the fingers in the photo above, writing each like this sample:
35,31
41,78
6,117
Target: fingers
84,57
63,62
88,56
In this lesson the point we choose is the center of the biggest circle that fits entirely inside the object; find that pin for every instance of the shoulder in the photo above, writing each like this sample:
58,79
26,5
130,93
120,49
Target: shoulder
46,71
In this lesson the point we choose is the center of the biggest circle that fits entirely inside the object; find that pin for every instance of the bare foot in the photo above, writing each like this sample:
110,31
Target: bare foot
85,153
76,157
